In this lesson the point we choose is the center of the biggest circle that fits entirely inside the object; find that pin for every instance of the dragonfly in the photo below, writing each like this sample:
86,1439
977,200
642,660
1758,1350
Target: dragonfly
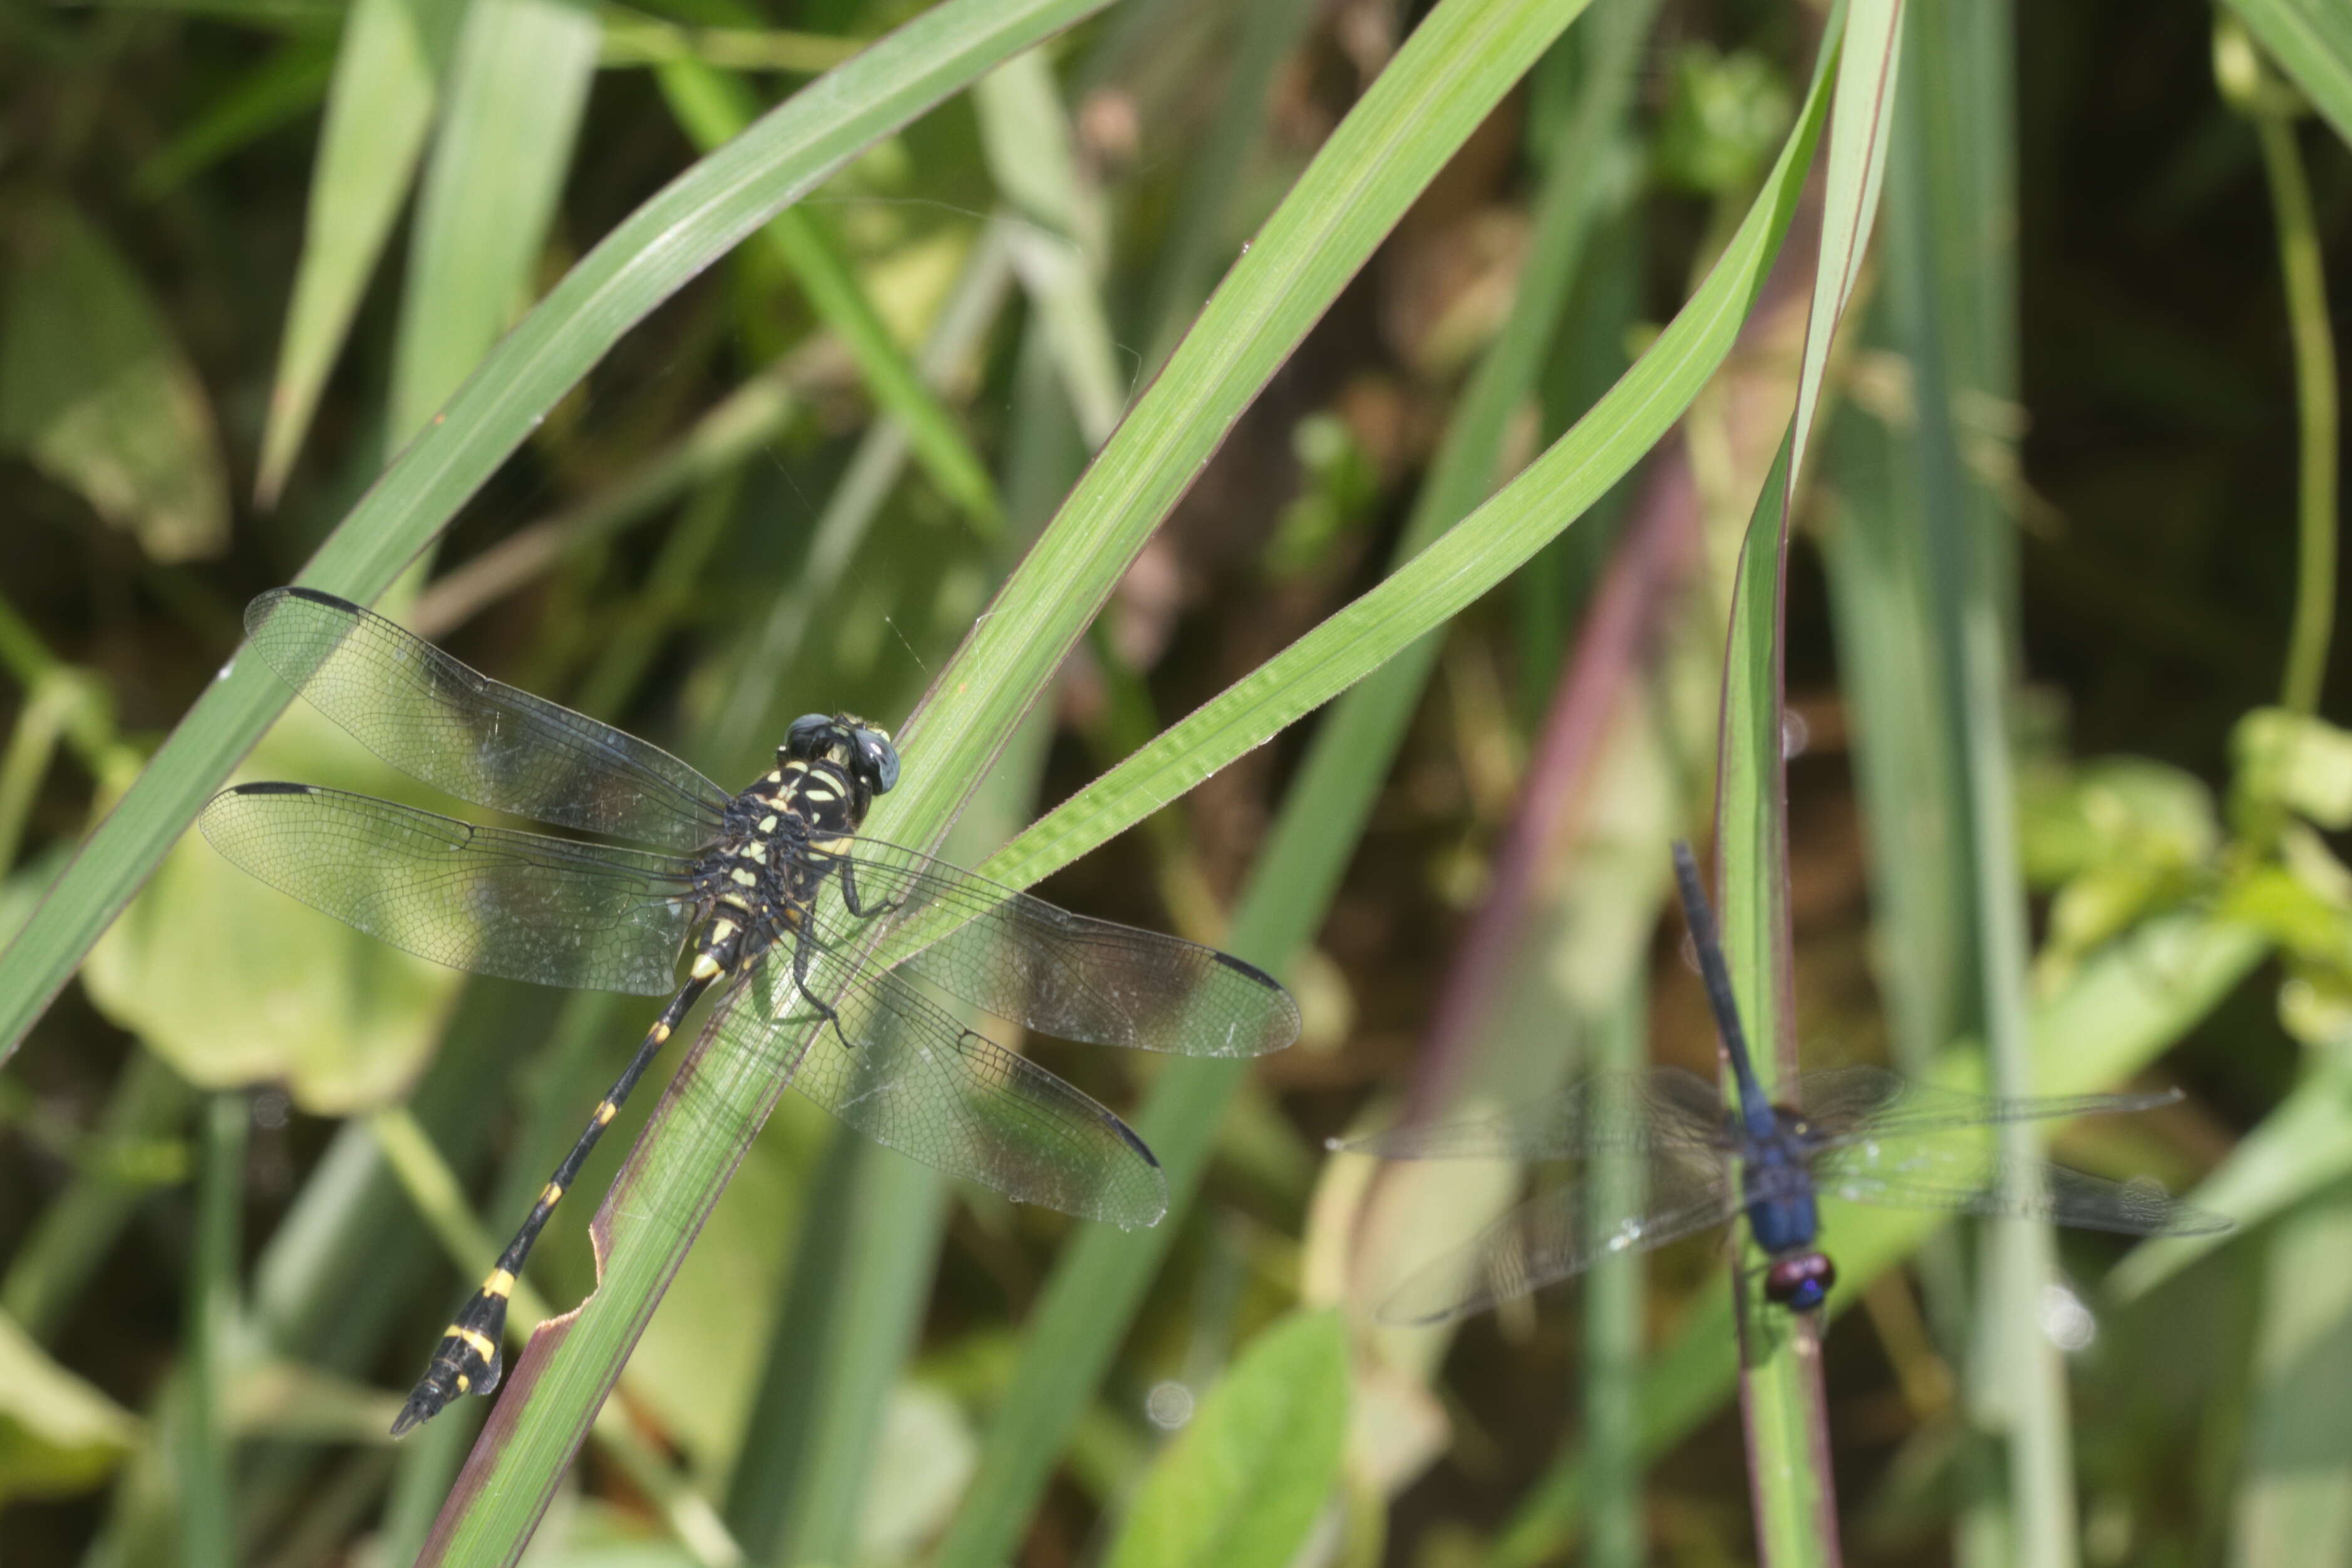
1860,1133
839,955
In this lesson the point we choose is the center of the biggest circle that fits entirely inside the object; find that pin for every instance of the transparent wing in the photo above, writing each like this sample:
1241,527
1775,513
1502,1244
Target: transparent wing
912,1078
1071,977
1844,1103
439,721
1662,1108
519,905
1552,1236
1964,1178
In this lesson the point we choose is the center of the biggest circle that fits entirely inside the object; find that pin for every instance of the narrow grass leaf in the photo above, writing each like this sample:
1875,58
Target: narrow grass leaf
1058,240
1083,1315
715,107
1455,568
1786,1424
689,223
1436,91
379,105
1246,1480
2300,1149
274,93
503,143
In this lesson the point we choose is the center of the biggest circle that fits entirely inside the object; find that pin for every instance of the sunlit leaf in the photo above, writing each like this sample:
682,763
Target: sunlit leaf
1243,1482
96,393
59,1435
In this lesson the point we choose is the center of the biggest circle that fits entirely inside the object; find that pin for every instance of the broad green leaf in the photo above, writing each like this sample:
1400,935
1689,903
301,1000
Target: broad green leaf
59,1435
1244,1481
2293,1503
2303,1146
670,239
2303,764
379,106
233,983
2312,42
501,151
96,393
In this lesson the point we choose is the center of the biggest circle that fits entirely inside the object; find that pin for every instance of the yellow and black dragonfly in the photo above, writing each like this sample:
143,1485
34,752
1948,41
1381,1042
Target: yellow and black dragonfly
839,955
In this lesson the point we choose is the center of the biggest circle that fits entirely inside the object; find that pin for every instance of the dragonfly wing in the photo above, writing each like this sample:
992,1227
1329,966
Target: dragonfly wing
1072,976
440,721
1847,1103
1664,1108
1962,1178
905,1073
1555,1235
520,905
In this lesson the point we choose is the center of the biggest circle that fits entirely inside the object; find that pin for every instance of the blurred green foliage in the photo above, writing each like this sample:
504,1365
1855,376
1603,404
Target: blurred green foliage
2063,509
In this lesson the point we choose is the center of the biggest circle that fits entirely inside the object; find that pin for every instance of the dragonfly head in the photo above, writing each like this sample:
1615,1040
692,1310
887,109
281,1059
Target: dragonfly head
849,743
1802,1282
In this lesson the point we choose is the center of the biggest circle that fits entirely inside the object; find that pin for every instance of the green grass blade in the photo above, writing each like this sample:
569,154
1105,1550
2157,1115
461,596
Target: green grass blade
1437,89
860,1283
1954,318
1789,1479
1077,1323
2312,41
282,90
1455,569
714,107
207,1487
1057,235
379,106
2123,1007
689,223
2303,1147
1787,1426
504,142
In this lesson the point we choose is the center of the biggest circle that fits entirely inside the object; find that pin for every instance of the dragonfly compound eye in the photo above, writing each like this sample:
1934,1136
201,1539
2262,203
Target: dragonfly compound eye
807,737
879,759
1800,1283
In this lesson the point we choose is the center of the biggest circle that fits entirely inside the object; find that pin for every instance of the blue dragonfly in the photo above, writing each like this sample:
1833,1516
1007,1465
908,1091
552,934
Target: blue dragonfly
1860,1133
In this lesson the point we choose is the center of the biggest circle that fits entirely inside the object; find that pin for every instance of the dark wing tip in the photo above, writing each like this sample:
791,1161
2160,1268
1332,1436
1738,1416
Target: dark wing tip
1282,1021
271,786
1252,970
1135,1142
331,601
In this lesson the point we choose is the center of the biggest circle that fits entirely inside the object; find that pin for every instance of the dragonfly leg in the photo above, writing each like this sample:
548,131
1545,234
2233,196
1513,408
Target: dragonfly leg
847,871
467,1360
803,943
